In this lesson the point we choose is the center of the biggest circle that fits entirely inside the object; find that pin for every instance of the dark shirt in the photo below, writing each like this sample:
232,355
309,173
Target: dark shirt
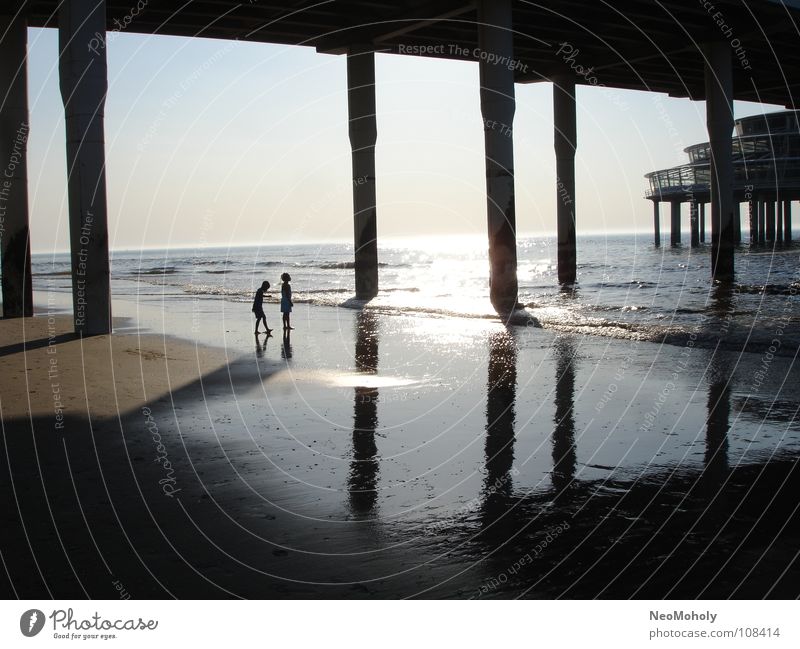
258,302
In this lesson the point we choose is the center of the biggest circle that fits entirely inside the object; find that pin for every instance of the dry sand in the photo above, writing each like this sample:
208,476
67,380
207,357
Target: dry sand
48,371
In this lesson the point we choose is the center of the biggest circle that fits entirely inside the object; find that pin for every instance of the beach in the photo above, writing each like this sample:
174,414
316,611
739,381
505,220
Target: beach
391,454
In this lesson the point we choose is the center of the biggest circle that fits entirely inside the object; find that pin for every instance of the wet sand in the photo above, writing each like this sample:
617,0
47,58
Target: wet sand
392,456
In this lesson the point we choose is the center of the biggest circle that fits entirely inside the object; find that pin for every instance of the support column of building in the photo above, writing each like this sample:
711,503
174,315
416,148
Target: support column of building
762,220
656,224
737,222
363,129
675,223
694,224
719,119
15,247
702,222
787,221
565,141
779,221
84,83
497,108
769,209
752,219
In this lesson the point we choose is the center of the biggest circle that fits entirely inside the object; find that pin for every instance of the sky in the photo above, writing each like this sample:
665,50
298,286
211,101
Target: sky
224,143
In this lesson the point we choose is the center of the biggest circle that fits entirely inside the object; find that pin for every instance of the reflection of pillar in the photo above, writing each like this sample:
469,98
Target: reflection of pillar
719,119
722,304
656,224
15,248
702,222
693,224
363,478
564,456
364,468
565,135
500,396
363,136
716,455
779,221
769,209
787,221
675,223
497,108
84,83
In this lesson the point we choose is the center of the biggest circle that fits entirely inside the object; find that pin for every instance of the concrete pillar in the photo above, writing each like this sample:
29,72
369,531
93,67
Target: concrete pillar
497,108
779,221
656,224
565,134
737,222
15,248
694,224
769,209
675,223
363,130
752,217
702,222
719,120
762,220
84,83
787,221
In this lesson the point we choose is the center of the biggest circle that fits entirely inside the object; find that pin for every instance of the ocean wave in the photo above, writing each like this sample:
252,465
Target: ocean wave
603,308
769,289
634,283
391,309
199,261
158,270
205,289
55,273
196,265
736,338
309,297
346,265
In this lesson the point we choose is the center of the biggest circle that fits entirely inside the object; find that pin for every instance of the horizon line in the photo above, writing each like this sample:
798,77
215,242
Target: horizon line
221,246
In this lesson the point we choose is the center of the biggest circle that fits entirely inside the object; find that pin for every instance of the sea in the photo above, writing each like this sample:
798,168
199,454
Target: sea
627,287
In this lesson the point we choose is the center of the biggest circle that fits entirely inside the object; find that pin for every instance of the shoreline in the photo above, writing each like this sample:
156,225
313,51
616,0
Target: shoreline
716,329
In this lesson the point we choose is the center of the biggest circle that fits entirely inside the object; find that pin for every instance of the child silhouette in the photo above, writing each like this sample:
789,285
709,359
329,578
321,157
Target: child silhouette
286,300
258,307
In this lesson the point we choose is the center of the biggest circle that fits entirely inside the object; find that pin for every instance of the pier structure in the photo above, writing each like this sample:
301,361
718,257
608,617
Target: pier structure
683,49
765,156
15,248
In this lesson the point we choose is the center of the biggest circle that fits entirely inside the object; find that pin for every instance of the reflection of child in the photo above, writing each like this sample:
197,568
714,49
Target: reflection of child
258,307
286,300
